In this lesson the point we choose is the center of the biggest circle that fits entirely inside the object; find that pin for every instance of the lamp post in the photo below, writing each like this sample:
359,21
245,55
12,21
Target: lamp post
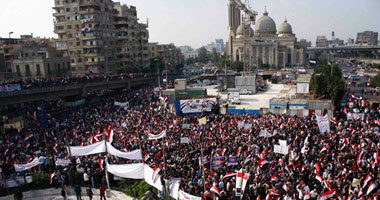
10,33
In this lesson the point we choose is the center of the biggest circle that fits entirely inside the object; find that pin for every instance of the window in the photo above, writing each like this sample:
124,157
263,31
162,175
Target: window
59,68
79,52
48,68
18,70
67,9
38,70
27,70
70,35
78,43
69,27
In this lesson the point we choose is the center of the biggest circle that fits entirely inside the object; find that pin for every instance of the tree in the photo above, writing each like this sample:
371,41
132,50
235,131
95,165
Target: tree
156,63
238,66
376,81
202,55
327,83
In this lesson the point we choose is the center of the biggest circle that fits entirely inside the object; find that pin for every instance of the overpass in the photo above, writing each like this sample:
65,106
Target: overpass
75,89
347,51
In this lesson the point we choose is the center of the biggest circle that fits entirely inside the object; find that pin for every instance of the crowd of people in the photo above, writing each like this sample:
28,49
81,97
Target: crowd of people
342,160
65,81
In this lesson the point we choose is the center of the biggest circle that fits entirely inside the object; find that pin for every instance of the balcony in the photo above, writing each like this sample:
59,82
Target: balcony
89,11
59,14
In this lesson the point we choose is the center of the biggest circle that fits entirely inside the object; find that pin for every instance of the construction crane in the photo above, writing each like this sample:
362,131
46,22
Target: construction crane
251,14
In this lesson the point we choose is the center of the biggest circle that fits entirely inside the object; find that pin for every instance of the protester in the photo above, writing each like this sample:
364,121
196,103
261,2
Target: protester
102,192
316,163
89,192
78,192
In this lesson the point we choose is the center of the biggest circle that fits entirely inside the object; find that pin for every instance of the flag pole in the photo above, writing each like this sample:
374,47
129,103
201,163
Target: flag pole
163,152
203,170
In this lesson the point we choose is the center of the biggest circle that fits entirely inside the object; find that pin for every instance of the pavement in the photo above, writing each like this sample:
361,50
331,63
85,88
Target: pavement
260,99
55,194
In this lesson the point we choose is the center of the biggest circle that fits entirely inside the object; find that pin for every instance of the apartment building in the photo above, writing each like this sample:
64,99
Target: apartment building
132,39
100,36
170,54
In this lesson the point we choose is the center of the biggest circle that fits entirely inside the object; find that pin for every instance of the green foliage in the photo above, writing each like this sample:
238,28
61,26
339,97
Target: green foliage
155,64
376,81
202,55
327,83
374,65
238,66
137,189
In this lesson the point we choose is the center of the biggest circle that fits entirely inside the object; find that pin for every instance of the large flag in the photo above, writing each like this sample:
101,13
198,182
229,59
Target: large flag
371,188
156,137
327,195
215,190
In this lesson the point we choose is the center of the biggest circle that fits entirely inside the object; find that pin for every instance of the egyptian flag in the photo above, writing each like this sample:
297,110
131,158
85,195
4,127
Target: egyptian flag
55,148
51,177
27,145
327,184
358,159
5,151
377,121
371,188
367,179
229,175
376,157
155,173
216,70
215,190
171,126
28,136
327,195
273,178
319,178
285,187
223,151
101,162
363,103
29,159
35,115
355,97
289,121
146,157
282,125
269,196
262,162
351,197
333,121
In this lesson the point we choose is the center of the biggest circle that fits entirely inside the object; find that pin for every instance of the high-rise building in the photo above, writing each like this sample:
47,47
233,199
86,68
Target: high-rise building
322,41
350,41
132,39
169,53
100,36
367,37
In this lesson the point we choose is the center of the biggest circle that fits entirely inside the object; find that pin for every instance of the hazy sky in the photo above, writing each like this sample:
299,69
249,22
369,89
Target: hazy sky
198,22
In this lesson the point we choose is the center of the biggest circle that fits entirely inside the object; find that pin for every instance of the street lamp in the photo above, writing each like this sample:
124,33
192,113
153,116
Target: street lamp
10,33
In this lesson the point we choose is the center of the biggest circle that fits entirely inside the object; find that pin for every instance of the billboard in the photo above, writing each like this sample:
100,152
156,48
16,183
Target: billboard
191,106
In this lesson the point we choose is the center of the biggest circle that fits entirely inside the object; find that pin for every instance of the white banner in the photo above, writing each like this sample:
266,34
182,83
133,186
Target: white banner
148,177
29,165
62,162
133,155
281,149
197,105
174,187
121,104
265,133
323,124
355,116
132,171
99,147
184,140
184,196
156,137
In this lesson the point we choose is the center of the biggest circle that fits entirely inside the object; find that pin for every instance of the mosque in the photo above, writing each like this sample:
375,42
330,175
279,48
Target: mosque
265,44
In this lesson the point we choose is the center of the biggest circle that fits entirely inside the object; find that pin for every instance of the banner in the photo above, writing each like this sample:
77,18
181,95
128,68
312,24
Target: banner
217,162
280,149
13,182
96,148
9,87
29,165
185,196
197,105
355,116
133,155
184,140
62,162
156,137
265,133
121,104
174,187
233,160
132,171
323,124
148,177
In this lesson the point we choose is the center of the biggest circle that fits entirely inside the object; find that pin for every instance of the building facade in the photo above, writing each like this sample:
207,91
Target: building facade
367,38
321,41
100,36
265,45
169,53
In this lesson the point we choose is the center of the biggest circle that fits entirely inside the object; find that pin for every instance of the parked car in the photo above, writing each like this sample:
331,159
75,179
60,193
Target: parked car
245,92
